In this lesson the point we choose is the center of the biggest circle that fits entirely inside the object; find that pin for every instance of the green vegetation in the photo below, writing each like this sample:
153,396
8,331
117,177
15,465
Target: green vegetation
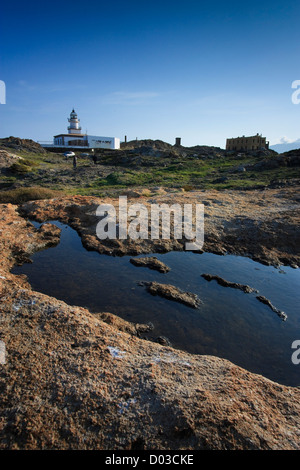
186,173
116,171
23,166
21,195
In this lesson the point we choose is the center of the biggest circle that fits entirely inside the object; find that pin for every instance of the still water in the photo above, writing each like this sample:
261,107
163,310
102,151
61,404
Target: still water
229,324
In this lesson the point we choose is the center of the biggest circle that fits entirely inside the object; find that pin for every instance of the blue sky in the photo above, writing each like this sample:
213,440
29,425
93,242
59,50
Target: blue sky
202,71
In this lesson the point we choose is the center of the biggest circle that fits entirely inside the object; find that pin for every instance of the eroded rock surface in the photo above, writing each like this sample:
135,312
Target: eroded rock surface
152,263
70,380
267,302
136,329
7,159
262,225
172,293
234,285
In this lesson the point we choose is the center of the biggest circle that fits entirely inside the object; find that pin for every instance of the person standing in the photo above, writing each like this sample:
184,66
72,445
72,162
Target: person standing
74,162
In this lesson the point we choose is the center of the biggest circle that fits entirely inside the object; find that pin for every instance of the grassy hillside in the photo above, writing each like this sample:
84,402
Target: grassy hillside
148,165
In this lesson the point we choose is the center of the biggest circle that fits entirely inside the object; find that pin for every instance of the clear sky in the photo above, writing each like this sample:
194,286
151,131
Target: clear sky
199,70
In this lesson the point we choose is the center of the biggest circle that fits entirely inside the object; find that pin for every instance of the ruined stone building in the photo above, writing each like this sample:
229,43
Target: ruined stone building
256,142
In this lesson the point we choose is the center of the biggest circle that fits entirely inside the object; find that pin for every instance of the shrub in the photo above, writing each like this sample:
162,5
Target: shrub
20,195
23,166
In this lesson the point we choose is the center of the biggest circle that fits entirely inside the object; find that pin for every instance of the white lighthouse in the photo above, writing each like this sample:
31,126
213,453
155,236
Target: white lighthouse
76,140
74,127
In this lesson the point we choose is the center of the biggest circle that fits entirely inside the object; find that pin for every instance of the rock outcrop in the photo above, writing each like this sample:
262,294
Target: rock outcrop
267,302
172,293
70,380
24,145
151,262
264,228
7,159
223,282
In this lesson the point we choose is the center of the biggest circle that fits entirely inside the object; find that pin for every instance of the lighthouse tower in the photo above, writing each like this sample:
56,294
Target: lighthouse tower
74,127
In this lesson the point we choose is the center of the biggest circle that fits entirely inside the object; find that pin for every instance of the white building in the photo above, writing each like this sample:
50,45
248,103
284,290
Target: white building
75,138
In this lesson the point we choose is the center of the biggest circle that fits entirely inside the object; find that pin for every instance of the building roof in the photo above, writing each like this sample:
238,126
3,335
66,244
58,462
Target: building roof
70,135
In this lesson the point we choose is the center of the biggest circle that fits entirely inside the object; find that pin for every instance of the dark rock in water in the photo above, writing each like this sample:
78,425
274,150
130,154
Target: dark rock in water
224,283
22,258
144,328
163,341
151,262
266,301
172,293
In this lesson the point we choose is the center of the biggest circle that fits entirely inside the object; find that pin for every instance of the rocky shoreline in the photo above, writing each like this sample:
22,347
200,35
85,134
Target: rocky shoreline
71,379
262,225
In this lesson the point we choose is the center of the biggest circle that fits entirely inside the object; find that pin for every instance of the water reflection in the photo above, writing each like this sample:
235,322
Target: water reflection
229,324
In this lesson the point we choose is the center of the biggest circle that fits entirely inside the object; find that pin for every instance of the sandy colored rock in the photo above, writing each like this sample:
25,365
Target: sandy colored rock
136,329
72,381
7,159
